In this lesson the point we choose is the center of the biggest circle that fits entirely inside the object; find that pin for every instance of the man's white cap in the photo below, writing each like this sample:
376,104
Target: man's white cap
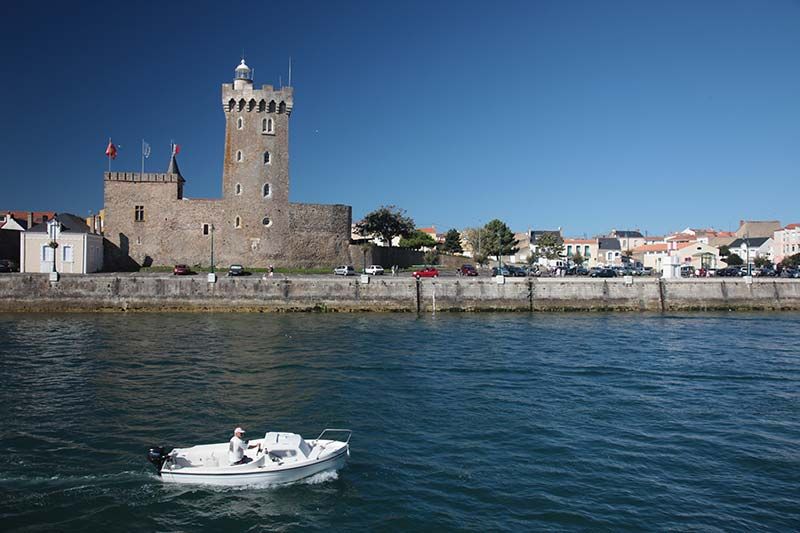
239,430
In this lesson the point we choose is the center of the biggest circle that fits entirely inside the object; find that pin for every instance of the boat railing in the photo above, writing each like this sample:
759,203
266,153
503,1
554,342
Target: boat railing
337,430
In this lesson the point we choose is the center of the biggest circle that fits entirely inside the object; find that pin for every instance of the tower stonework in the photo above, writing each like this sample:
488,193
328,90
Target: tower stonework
148,222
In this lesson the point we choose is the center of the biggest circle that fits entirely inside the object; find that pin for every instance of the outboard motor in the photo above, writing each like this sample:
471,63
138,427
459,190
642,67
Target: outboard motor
157,455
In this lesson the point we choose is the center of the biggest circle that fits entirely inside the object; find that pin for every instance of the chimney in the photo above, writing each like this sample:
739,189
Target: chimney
30,219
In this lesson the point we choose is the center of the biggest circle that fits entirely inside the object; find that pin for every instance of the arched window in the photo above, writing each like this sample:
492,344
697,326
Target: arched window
239,156
262,106
251,105
238,188
241,104
263,125
266,190
270,126
267,158
282,107
231,104
272,106
239,123
237,223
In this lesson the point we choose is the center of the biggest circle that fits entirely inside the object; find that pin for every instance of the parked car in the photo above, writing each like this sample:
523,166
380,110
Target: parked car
181,270
765,272
577,271
7,265
504,271
237,270
517,272
728,272
375,270
427,272
603,273
467,270
344,270
790,273
687,271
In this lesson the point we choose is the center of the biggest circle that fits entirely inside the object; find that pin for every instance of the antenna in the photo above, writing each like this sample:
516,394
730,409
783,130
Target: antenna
290,71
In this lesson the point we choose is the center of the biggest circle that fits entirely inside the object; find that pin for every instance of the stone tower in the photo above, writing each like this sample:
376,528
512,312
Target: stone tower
255,181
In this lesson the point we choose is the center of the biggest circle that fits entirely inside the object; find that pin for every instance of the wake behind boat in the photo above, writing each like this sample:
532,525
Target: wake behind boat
277,458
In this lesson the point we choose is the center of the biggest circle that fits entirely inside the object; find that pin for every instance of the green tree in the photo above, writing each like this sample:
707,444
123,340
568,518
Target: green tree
476,241
500,239
733,260
761,262
452,242
724,251
578,259
791,261
418,239
550,245
386,222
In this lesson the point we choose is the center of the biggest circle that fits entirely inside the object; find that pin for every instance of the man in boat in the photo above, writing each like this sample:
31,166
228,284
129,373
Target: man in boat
237,448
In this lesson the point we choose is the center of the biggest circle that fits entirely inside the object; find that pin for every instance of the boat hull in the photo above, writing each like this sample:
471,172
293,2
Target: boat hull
260,476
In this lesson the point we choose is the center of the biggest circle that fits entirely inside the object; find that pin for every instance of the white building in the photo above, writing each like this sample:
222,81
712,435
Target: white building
78,251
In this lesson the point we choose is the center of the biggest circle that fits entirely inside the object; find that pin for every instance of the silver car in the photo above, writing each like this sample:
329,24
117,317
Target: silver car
344,270
375,270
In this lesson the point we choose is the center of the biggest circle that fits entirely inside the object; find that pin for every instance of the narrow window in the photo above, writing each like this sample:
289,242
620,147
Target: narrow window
138,241
267,159
263,125
138,213
266,191
238,188
239,123
270,126
238,156
238,222
205,229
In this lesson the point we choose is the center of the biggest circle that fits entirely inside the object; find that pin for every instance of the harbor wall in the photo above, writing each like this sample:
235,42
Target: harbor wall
121,292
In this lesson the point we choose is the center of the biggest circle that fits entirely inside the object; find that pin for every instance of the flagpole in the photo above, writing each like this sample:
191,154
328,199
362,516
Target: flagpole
142,158
109,156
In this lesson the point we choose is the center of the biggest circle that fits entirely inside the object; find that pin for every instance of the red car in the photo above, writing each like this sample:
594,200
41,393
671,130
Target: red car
467,270
181,270
427,272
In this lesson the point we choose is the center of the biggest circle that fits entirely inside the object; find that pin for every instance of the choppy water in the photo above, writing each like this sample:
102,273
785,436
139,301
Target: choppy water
461,422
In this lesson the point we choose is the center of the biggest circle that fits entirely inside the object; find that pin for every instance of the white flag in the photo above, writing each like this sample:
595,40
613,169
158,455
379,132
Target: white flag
145,149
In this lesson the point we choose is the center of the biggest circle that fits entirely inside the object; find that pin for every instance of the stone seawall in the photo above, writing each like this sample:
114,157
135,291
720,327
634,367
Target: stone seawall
110,292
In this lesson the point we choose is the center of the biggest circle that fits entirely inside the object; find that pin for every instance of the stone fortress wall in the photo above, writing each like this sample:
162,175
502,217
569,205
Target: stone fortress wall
253,223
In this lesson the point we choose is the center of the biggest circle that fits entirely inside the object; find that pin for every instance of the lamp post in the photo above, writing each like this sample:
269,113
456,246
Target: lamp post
52,230
212,276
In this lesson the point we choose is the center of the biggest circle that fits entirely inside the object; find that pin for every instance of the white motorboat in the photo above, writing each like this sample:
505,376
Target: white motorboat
279,458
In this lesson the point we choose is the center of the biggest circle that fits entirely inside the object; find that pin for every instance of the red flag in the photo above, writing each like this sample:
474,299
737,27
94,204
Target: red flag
176,148
111,150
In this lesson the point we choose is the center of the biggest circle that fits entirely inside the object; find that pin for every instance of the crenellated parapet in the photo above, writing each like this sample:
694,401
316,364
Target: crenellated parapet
264,100
148,177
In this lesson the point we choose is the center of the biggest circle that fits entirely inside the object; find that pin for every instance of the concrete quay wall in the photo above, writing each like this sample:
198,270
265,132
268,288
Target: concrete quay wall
110,292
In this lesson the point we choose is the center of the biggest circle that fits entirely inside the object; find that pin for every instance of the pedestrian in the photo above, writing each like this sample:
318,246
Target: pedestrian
271,270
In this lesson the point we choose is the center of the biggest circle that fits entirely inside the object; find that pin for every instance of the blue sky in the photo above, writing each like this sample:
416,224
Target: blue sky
586,115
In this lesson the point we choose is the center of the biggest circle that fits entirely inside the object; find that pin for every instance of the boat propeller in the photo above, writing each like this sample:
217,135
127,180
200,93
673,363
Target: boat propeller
157,455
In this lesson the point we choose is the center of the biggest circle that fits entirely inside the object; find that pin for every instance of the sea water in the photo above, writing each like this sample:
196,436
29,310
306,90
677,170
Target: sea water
481,422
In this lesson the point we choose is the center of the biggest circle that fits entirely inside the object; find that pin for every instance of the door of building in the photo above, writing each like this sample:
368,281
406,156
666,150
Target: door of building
47,258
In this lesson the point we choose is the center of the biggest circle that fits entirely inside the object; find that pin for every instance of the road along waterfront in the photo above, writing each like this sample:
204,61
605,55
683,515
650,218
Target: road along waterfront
485,422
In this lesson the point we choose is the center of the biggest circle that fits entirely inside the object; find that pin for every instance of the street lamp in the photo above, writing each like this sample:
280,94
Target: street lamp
212,276
52,230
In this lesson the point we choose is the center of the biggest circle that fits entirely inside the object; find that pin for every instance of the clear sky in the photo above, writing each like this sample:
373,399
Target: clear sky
588,115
